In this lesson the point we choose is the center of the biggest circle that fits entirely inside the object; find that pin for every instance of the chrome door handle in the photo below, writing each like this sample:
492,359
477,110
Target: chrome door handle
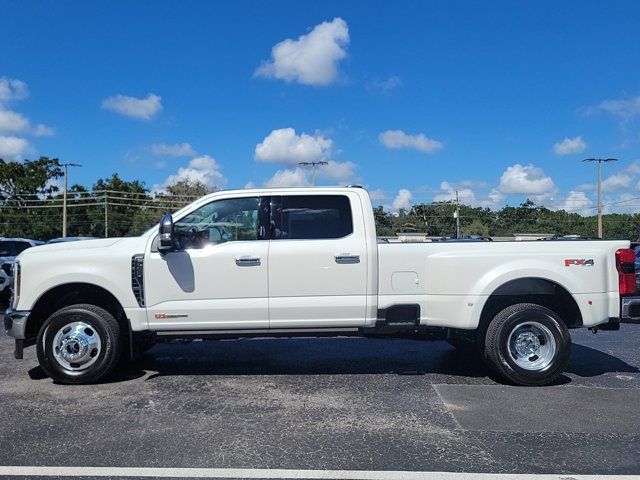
347,258
248,261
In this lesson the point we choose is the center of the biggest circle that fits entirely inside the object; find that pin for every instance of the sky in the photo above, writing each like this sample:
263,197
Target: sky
414,100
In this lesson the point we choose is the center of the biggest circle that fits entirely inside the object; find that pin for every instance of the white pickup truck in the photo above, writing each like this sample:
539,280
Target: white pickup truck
306,262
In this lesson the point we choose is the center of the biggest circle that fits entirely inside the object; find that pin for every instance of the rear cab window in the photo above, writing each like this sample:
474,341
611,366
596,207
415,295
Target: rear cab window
311,217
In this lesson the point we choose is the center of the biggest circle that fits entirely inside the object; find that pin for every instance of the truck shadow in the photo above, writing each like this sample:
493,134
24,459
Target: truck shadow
589,362
342,356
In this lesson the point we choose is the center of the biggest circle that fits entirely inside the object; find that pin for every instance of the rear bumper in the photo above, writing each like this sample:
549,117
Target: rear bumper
630,310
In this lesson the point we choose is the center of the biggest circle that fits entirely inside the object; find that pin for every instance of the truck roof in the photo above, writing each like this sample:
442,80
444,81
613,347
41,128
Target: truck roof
266,190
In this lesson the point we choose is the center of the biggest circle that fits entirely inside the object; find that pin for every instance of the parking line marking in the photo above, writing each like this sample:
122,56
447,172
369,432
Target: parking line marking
260,473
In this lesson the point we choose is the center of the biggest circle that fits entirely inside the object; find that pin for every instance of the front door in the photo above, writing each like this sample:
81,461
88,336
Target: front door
217,276
317,262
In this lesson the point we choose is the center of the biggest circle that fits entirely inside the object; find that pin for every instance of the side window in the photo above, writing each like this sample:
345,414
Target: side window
228,220
20,247
11,248
7,249
312,217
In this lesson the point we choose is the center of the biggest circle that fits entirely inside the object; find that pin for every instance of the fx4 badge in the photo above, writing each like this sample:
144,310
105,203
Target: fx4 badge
578,262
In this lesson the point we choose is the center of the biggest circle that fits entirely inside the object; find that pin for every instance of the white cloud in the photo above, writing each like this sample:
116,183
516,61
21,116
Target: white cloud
623,109
312,59
175,150
586,187
14,148
398,139
250,184
577,202
200,169
634,168
377,195
617,181
569,146
525,180
472,183
41,130
466,196
14,122
285,146
337,171
622,203
11,121
403,200
387,85
496,197
139,108
12,89
288,178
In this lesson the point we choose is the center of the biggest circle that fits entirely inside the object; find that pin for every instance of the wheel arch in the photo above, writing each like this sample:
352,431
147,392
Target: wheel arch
72,293
539,290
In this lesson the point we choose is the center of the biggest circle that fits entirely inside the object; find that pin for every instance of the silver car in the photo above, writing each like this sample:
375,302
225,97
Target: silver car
10,248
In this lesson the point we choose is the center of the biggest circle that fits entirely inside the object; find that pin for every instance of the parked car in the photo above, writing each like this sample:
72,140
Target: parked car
9,249
467,240
637,264
305,261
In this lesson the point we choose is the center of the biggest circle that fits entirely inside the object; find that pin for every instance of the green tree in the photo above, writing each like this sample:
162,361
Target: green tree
23,188
117,204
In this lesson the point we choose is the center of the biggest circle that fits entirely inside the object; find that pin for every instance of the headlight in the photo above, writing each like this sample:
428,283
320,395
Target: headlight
16,283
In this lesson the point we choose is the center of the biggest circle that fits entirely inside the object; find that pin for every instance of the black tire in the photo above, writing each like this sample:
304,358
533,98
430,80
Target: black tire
100,323
545,327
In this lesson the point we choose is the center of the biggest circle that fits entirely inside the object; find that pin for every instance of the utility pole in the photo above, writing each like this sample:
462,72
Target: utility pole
600,162
457,215
106,216
64,195
313,168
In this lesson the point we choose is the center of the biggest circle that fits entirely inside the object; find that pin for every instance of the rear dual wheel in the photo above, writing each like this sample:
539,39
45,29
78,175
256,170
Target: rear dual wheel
528,344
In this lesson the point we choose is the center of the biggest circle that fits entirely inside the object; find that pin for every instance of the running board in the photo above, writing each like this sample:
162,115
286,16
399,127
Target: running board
263,332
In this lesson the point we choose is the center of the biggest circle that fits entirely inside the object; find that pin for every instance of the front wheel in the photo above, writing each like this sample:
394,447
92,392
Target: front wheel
79,344
528,344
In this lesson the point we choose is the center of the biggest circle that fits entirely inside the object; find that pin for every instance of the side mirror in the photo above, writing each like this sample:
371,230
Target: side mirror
167,241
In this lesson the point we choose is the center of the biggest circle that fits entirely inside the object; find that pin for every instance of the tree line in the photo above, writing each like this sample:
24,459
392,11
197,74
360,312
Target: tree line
31,206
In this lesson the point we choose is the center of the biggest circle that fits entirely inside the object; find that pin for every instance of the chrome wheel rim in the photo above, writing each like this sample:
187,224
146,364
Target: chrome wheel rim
531,346
76,346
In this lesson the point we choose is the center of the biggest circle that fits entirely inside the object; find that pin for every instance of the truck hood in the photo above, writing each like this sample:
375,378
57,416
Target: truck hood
79,251
75,246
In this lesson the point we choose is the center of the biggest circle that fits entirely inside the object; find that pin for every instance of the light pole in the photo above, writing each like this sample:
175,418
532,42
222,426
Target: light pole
600,162
64,195
313,167
456,214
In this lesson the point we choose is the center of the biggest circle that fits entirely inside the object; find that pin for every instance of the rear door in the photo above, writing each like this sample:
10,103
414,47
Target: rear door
317,261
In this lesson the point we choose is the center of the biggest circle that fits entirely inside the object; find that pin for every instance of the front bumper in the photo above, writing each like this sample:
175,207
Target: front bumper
15,323
630,310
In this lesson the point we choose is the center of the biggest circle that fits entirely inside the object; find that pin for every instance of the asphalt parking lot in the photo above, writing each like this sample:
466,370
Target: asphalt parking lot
344,403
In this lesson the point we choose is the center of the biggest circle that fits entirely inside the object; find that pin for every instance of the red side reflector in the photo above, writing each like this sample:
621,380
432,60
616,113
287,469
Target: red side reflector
626,266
